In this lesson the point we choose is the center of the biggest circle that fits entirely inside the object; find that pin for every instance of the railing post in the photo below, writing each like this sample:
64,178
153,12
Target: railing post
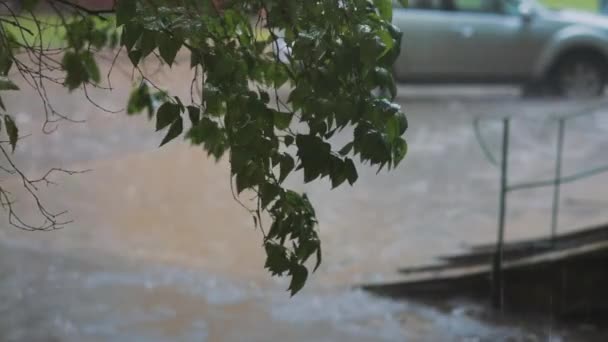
497,281
557,180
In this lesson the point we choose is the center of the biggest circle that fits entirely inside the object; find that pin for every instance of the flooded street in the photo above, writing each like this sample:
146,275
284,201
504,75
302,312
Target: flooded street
160,251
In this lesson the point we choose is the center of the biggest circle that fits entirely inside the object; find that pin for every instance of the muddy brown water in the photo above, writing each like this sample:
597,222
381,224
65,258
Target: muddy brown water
159,250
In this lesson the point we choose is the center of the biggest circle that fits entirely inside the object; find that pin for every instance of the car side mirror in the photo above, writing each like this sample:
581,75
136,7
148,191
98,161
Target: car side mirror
526,12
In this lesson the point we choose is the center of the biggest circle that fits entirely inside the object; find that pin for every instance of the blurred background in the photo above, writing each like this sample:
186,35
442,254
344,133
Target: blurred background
160,251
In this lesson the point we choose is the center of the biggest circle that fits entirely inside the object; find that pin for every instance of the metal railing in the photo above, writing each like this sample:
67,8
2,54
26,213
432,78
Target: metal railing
506,188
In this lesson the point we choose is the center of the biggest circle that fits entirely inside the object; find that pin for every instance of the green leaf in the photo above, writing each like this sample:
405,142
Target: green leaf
385,7
387,39
392,128
77,33
7,84
264,97
282,120
166,114
276,258
242,182
239,158
139,100
351,171
114,39
130,35
346,149
399,151
384,79
91,66
307,248
195,114
337,173
268,193
299,274
168,47
6,60
389,58
76,72
11,130
125,11
195,59
285,167
147,43
402,119
134,56
99,38
318,258
288,140
174,131
314,154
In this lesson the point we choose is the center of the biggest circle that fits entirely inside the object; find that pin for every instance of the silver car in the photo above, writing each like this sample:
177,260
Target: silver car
505,41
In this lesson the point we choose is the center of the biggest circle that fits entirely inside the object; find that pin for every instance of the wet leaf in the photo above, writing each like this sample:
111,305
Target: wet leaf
346,149
166,114
399,151
7,84
168,47
299,274
139,100
276,258
174,131
286,166
268,193
91,67
282,120
351,171
130,35
194,113
385,7
125,11
11,130
392,128
319,258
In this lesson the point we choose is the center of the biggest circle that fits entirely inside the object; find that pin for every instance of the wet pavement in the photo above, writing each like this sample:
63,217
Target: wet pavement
159,250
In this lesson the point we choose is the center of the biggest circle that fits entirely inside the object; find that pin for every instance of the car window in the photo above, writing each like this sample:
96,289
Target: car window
489,6
511,6
483,6
426,4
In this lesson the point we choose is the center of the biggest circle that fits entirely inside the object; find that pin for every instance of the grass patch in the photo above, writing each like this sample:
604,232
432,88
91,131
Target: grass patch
45,28
585,5
50,30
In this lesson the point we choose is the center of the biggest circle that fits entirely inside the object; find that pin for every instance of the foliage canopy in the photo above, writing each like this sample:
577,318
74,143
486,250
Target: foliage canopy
328,56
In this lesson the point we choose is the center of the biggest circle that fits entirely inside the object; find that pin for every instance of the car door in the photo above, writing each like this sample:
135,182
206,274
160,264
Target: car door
488,41
425,48
463,40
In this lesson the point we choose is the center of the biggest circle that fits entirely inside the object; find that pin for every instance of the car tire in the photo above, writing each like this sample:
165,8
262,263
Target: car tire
580,76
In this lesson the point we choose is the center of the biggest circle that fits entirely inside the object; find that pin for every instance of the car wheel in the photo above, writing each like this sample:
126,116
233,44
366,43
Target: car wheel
581,77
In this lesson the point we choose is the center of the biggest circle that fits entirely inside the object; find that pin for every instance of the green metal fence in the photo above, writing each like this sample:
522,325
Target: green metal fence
506,188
